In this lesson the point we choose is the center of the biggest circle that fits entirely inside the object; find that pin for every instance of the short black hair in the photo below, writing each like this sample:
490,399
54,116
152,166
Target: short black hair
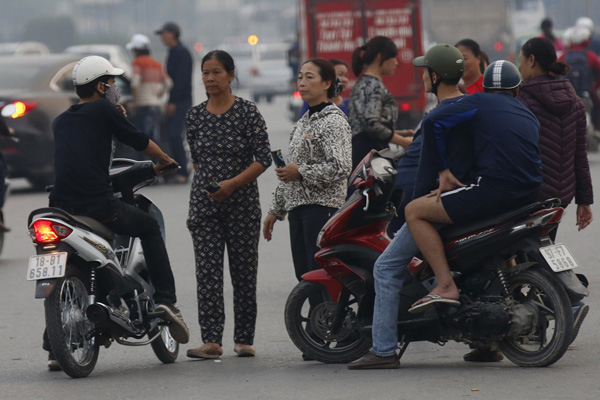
445,81
141,52
327,74
88,90
471,45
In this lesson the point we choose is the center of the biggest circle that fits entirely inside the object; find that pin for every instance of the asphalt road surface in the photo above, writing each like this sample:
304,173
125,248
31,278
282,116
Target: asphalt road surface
428,371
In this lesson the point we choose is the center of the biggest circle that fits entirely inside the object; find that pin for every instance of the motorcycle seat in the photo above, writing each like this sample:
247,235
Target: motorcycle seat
452,232
80,220
96,227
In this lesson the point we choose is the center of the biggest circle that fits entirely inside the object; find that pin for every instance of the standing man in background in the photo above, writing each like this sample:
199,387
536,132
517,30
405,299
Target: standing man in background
179,68
150,82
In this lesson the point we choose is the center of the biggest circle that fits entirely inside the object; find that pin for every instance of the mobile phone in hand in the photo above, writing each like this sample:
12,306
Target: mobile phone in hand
170,168
278,158
213,187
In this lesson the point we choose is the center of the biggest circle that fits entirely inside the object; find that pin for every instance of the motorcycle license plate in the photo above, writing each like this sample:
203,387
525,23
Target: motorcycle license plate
559,258
47,266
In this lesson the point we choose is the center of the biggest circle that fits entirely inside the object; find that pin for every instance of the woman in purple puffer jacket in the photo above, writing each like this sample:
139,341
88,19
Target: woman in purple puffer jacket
563,142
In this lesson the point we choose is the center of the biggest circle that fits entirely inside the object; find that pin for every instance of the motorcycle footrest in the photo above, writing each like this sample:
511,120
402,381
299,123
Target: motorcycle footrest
155,315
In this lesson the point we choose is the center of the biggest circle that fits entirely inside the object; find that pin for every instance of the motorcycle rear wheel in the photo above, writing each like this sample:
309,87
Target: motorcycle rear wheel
538,286
68,326
308,326
165,347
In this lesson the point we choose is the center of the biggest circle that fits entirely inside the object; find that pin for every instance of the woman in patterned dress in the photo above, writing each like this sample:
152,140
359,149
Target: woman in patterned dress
372,109
230,149
313,183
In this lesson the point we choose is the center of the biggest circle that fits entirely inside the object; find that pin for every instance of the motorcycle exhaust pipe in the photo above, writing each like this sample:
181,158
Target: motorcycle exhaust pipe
104,316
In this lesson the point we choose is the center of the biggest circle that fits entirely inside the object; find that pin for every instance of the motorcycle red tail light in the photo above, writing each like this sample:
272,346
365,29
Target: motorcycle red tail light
17,109
297,95
49,232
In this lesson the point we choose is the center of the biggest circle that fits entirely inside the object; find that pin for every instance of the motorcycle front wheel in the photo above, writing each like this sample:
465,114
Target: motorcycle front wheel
165,347
549,341
309,325
68,327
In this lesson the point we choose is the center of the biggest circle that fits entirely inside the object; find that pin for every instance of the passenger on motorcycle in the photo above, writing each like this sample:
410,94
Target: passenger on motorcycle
84,140
444,68
507,166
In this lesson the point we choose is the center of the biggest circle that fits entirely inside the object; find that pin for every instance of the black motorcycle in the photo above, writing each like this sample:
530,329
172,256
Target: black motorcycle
516,286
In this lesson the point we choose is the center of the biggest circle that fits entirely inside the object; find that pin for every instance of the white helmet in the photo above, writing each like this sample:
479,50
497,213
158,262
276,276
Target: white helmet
138,42
577,35
92,67
585,22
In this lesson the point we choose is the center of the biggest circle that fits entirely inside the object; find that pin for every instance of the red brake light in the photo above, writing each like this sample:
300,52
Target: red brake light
297,95
49,232
17,109
405,107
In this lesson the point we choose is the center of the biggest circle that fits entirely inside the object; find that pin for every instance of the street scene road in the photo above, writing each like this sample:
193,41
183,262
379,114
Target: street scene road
428,371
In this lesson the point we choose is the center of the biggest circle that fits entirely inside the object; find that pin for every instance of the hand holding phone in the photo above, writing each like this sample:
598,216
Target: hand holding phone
278,158
170,168
213,187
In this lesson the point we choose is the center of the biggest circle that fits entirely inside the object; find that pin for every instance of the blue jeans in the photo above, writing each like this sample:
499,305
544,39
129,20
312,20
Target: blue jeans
175,135
147,120
388,273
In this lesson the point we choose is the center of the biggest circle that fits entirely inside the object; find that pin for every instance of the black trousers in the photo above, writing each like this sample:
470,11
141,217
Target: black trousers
125,219
305,224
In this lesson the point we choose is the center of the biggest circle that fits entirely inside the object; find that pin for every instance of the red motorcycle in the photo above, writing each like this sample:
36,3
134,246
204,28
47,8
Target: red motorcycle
516,286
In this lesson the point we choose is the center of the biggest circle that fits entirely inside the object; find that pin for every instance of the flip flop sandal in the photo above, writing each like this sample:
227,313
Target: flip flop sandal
435,299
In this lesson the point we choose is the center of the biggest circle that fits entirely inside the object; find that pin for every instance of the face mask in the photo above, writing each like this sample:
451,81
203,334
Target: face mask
113,94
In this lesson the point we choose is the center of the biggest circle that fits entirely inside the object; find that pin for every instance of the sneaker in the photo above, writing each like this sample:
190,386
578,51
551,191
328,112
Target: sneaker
52,363
372,361
580,311
244,350
484,355
177,326
207,350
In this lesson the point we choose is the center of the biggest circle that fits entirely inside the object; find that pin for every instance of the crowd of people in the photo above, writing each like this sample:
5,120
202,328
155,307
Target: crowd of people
499,137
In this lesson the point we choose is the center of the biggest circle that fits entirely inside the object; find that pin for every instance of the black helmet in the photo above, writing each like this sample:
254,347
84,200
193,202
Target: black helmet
501,75
444,60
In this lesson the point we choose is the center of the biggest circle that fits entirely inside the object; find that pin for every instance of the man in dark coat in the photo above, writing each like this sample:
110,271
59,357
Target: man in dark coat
179,67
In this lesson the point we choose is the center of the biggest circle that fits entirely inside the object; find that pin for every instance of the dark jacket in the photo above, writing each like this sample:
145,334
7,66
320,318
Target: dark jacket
563,143
179,67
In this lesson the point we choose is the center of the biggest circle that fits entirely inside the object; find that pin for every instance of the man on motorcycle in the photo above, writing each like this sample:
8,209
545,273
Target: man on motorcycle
507,166
444,66
84,141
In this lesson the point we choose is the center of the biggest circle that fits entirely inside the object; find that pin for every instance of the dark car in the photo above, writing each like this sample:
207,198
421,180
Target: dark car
33,91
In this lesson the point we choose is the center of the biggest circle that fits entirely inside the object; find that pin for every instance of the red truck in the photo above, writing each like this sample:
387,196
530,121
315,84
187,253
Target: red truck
334,28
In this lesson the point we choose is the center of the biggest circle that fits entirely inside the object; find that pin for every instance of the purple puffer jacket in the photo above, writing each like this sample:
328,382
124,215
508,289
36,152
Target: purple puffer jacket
563,142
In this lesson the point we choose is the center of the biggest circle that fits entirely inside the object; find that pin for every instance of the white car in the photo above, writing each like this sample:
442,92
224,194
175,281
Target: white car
114,53
270,73
23,48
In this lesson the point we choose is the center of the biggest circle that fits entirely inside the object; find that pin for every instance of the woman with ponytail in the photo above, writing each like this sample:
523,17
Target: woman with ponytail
563,142
372,109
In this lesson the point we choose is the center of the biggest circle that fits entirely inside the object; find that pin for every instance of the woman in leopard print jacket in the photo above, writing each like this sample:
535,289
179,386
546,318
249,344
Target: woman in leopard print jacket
313,184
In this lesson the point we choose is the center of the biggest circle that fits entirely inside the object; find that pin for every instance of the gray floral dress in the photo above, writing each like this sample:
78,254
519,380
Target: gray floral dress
372,115
320,145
